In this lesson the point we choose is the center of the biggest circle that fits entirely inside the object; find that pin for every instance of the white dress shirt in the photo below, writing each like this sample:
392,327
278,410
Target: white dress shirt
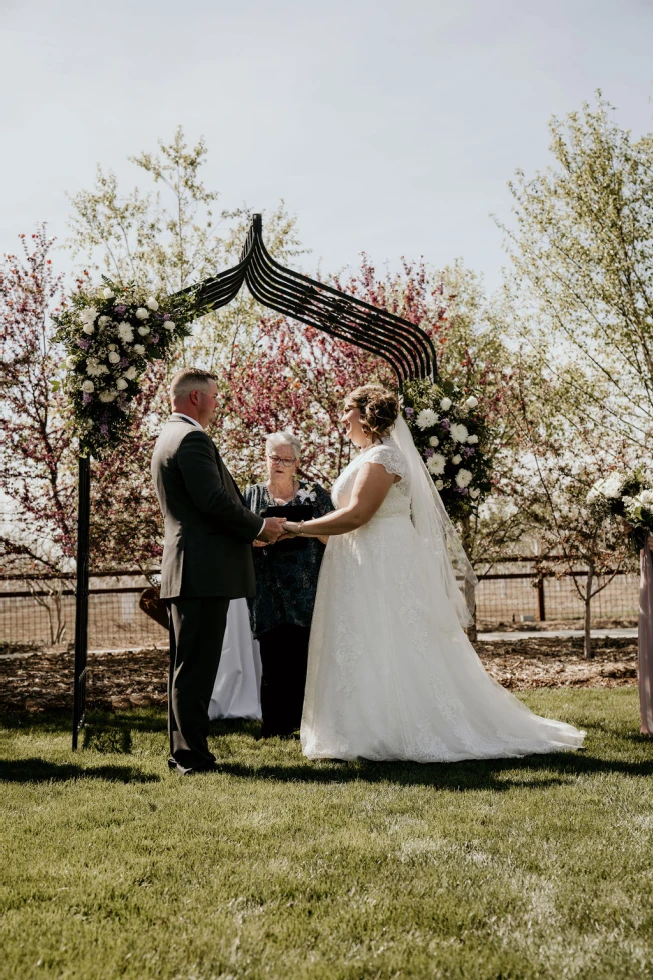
187,418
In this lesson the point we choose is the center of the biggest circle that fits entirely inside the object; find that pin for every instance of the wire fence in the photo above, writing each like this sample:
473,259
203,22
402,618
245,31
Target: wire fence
42,611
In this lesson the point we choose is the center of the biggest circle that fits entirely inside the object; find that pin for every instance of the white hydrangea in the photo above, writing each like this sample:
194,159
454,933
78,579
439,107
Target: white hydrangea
459,432
434,441
88,386
108,293
130,373
108,396
88,328
608,489
94,368
142,313
168,324
435,464
445,404
439,484
645,498
139,349
104,321
121,384
88,315
152,303
125,332
463,478
143,331
426,418
472,402
114,357
472,440
457,459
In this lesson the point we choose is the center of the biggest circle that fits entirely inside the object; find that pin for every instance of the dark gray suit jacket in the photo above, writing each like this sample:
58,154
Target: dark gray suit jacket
208,529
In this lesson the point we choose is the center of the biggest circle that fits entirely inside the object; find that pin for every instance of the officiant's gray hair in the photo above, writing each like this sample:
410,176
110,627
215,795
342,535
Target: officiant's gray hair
277,439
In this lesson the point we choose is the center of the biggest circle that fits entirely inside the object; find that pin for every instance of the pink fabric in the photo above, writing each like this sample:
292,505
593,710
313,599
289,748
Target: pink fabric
645,639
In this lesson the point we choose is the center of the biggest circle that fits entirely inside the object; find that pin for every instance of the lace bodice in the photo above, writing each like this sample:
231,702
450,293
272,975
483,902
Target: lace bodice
397,501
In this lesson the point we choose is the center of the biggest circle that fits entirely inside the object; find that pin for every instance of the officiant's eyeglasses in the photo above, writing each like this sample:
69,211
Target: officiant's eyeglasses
284,462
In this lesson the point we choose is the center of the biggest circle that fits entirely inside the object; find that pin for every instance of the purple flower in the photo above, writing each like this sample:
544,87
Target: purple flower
120,309
468,451
84,344
162,316
155,338
124,362
445,423
87,398
104,429
166,316
463,491
409,411
429,452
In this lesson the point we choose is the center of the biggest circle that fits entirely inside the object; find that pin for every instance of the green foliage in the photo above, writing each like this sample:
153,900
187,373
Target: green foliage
582,250
529,869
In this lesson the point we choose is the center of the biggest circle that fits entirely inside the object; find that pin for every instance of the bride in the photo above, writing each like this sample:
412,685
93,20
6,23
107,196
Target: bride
391,673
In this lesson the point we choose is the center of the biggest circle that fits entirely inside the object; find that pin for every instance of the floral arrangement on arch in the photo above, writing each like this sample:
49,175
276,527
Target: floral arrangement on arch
450,433
110,336
628,496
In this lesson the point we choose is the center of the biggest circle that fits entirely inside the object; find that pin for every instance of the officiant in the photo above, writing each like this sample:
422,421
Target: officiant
286,583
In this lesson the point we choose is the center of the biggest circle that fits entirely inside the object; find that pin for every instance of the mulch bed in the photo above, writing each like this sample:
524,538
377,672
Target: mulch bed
40,680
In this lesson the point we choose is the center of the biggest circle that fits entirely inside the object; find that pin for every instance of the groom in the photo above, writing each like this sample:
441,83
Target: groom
207,560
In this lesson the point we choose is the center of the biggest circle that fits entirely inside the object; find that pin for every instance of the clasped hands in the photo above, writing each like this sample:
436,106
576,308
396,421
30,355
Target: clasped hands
276,529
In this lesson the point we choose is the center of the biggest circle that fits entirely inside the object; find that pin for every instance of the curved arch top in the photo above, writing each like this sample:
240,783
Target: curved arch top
405,346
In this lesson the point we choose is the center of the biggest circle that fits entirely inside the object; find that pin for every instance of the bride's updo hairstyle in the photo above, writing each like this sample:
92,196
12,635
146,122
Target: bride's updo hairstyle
378,408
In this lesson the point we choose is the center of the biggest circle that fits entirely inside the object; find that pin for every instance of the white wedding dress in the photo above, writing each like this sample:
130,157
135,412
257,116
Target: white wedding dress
391,673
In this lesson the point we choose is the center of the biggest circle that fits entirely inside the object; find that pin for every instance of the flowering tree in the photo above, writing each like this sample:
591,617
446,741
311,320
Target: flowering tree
562,455
37,479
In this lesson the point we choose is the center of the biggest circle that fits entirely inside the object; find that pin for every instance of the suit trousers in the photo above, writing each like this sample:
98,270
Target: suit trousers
197,626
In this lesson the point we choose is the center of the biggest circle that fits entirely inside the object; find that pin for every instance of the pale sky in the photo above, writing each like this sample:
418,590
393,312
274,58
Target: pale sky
389,127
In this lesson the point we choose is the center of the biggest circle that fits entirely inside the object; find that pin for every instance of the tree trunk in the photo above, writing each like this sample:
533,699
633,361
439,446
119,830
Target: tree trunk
470,597
587,641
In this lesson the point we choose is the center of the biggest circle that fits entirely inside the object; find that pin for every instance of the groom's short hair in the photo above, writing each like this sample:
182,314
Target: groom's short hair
187,380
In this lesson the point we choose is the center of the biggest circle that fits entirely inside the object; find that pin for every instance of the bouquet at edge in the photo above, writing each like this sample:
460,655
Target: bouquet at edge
628,496
450,433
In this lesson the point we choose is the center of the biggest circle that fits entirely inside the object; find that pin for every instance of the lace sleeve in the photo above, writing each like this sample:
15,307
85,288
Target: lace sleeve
391,458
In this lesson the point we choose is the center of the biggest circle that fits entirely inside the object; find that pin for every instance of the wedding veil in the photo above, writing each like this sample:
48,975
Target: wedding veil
444,552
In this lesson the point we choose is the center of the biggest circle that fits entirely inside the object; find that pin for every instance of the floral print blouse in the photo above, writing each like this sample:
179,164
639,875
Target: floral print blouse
286,580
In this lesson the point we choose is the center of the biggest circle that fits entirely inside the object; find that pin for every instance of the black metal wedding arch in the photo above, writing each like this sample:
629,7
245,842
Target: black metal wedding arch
403,345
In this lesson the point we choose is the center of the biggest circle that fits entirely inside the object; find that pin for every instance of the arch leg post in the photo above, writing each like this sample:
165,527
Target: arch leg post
81,596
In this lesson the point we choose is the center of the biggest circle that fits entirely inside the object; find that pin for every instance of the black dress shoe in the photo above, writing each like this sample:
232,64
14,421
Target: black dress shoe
197,769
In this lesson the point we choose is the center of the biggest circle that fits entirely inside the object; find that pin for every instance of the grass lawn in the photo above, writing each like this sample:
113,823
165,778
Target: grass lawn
281,868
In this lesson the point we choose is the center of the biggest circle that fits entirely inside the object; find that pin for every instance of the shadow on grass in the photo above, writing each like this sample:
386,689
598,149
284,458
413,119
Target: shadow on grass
40,771
496,774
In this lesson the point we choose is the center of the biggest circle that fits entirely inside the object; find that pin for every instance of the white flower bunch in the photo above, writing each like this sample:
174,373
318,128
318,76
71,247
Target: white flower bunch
645,500
434,441
472,403
457,459
445,404
125,332
142,313
435,464
608,489
459,432
472,440
94,369
463,478
426,418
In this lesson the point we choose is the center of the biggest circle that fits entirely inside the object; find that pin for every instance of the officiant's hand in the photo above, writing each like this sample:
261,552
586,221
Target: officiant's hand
272,530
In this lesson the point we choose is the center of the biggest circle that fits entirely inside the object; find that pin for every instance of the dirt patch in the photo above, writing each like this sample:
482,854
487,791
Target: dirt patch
554,662
40,679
